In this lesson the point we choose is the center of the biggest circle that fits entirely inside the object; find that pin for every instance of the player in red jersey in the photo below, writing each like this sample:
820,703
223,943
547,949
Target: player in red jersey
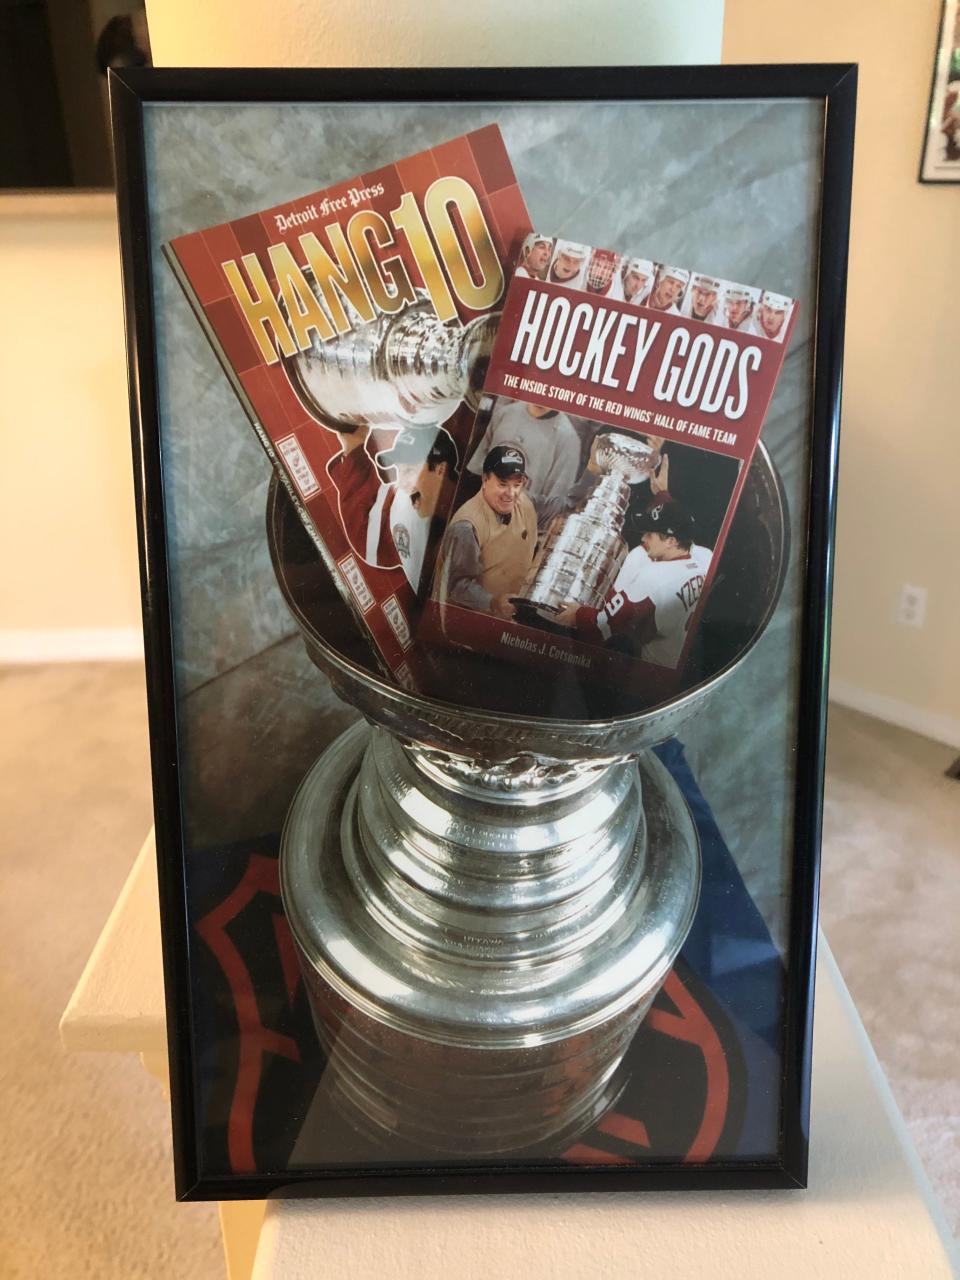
535,256
772,315
668,289
656,591
396,522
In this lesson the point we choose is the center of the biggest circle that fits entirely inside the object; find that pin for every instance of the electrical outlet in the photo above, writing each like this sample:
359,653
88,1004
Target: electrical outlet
912,606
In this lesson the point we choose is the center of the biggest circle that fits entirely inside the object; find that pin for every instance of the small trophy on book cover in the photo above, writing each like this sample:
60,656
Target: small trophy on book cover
583,551
406,369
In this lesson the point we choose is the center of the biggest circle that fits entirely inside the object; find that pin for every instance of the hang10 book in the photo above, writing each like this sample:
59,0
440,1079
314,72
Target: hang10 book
355,325
622,405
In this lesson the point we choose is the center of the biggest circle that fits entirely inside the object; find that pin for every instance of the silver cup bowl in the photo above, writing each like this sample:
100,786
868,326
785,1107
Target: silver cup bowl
487,891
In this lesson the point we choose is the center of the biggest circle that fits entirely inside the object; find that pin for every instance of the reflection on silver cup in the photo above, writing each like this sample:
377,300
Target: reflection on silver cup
481,946
406,369
583,551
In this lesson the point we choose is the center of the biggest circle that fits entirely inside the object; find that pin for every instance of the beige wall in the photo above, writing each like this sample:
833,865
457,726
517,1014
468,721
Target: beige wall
67,529
418,33
899,510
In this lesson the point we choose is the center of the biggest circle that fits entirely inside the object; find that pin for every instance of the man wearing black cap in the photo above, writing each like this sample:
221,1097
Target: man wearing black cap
655,592
396,522
491,540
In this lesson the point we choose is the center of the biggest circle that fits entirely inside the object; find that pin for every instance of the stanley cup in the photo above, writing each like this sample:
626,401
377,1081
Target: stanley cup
485,899
406,369
583,552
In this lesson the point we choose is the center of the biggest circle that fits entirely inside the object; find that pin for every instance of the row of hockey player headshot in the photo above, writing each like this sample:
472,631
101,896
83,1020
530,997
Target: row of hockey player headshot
494,542
660,286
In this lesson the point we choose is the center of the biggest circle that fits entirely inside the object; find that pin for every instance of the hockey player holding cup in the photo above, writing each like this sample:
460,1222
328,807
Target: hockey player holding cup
491,540
650,605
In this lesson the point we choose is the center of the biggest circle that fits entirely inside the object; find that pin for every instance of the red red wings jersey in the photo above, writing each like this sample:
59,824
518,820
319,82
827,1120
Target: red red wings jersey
652,602
380,521
360,493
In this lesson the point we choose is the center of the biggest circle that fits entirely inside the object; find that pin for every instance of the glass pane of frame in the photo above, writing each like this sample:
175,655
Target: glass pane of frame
287,1076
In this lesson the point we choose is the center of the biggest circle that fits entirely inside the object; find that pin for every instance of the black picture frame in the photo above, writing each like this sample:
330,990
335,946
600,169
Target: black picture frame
132,91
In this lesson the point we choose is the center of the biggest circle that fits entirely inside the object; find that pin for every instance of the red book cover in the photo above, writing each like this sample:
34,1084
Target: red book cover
355,325
622,407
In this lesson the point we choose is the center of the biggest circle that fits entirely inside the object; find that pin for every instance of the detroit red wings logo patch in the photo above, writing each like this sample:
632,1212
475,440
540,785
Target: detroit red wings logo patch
683,1083
401,538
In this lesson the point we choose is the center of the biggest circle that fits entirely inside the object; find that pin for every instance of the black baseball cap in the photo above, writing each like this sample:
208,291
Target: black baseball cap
418,445
669,519
505,460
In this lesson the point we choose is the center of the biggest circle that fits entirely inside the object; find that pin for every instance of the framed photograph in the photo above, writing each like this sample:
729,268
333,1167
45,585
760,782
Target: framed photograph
485,436
940,161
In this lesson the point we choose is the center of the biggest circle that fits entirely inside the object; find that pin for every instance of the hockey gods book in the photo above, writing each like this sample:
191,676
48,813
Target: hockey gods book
355,325
621,409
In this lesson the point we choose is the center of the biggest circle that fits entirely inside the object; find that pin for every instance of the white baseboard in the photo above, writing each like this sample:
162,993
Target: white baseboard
930,723
91,644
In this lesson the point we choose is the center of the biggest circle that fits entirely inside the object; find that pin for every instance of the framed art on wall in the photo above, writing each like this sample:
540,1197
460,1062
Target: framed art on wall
485,430
940,160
